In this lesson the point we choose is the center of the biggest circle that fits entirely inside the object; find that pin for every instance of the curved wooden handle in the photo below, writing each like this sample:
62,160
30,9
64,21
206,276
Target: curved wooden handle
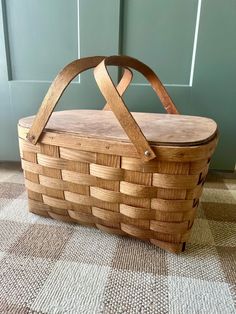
59,85
123,84
122,113
118,106
101,74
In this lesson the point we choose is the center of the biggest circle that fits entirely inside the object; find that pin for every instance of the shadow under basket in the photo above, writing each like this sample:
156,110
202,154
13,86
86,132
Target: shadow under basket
83,166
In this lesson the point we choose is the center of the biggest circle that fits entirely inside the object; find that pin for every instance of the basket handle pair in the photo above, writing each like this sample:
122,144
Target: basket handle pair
111,93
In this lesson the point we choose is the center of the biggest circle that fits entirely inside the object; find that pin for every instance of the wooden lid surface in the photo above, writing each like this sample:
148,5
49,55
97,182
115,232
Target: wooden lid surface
162,129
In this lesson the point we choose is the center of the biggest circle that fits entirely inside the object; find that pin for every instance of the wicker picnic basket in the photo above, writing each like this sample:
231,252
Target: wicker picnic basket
139,175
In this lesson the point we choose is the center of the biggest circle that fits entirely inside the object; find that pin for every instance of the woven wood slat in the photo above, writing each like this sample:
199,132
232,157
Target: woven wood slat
31,157
165,153
132,181
115,199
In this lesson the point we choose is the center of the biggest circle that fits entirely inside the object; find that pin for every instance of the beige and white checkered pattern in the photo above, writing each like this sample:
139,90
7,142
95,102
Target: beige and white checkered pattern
48,266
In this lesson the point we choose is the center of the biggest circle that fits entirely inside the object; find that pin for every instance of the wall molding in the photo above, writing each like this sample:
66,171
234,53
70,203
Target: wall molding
194,51
77,80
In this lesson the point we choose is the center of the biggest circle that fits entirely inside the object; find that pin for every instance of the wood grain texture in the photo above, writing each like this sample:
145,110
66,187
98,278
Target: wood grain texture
31,158
173,153
158,128
125,61
111,94
56,90
153,201
85,169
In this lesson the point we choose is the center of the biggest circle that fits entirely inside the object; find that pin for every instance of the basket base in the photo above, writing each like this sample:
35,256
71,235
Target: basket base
167,246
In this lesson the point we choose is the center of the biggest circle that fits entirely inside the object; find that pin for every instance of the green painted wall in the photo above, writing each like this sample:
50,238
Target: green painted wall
191,44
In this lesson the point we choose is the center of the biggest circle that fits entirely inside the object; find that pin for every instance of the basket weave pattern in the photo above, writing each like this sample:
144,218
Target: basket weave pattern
154,201
145,187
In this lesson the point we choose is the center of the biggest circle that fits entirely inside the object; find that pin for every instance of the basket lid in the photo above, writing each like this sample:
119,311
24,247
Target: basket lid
164,129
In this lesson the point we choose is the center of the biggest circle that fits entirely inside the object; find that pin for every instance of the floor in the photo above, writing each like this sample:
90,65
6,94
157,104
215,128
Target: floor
48,266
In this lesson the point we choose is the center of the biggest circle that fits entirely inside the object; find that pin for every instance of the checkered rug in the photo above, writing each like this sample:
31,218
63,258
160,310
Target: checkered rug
48,266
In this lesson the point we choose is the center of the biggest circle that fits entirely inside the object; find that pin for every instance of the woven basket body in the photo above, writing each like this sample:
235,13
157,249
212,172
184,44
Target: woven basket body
102,182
